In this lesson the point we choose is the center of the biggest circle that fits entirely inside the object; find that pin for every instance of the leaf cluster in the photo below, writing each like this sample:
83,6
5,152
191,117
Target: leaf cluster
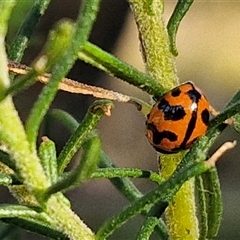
37,177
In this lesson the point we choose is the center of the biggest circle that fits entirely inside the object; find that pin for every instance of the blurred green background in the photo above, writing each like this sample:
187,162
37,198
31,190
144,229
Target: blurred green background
209,55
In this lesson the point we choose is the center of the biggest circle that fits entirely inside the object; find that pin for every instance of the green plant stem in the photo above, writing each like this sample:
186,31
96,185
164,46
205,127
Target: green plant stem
113,66
84,25
6,9
11,129
154,41
25,31
161,66
13,135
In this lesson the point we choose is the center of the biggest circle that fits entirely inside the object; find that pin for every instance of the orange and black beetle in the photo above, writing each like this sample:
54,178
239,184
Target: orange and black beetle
178,118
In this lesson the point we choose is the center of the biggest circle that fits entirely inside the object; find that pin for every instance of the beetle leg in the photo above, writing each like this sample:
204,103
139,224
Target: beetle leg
213,111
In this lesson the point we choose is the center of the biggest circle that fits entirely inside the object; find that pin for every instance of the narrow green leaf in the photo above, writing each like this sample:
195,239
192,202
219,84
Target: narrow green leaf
126,172
113,66
202,207
29,219
213,202
83,171
179,12
147,228
234,99
59,38
25,31
96,111
89,160
64,118
47,154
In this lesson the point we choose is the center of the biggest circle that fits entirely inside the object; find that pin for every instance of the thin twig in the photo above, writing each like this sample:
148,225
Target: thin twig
70,85
220,151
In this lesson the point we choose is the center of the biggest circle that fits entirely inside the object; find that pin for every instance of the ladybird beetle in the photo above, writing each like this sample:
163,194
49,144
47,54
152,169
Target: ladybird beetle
178,118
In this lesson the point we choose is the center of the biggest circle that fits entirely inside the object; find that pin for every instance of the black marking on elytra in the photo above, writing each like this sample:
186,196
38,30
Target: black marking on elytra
205,116
176,92
190,128
172,137
194,95
159,136
173,113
